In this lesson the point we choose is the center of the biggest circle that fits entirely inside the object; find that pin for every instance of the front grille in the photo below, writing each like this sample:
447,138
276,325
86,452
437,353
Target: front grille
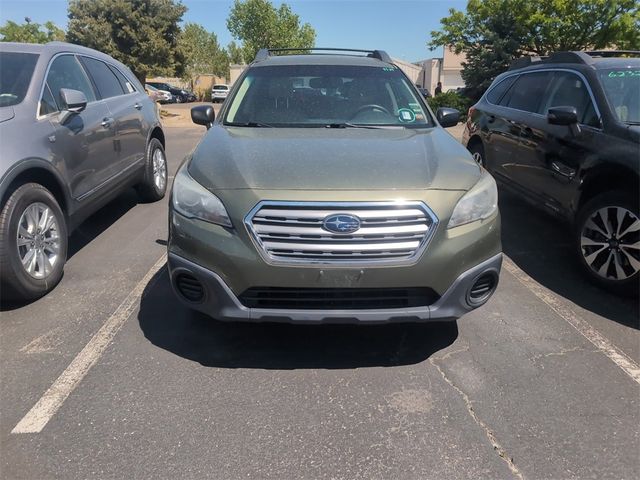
337,298
295,232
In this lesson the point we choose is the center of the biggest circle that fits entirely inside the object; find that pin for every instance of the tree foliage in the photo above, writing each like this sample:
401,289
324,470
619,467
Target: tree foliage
142,34
201,52
234,51
30,32
494,32
258,24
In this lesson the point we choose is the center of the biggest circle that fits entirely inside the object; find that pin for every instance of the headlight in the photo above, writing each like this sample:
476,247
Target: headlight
192,200
478,203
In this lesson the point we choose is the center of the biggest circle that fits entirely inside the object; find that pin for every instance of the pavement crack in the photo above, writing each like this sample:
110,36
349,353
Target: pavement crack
498,448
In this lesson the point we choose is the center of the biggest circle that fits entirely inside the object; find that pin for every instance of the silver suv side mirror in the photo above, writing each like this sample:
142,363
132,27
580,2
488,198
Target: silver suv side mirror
74,103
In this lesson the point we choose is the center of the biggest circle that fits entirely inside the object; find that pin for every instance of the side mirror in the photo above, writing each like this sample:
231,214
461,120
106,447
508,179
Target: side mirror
203,115
564,116
448,117
74,103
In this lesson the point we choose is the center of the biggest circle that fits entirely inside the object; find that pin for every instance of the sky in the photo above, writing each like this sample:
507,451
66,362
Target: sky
401,27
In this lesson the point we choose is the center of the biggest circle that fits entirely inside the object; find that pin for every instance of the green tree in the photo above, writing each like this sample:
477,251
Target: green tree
234,51
492,33
258,24
201,52
30,32
142,34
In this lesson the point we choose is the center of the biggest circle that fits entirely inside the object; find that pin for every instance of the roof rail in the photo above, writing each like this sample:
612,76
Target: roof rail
264,53
614,53
525,62
570,57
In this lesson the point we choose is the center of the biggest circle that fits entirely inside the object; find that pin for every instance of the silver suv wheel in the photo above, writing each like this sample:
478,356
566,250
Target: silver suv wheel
38,240
609,242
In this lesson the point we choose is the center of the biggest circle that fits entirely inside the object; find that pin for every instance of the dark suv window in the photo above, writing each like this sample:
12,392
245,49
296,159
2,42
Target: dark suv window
527,92
126,85
107,83
47,102
495,94
66,72
569,90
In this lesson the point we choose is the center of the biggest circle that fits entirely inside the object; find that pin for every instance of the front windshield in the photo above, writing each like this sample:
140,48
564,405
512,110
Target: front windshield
16,70
622,88
326,95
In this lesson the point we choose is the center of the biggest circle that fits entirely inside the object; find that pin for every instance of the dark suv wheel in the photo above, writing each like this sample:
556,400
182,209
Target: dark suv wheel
477,152
33,243
607,240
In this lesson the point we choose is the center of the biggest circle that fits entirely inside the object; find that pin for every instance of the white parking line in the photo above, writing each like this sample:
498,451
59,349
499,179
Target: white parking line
36,419
566,313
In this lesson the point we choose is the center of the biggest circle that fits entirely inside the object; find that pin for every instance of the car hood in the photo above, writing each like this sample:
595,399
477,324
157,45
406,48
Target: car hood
331,159
6,113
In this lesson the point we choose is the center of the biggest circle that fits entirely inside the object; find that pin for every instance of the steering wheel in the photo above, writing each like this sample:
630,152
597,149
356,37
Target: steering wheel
371,106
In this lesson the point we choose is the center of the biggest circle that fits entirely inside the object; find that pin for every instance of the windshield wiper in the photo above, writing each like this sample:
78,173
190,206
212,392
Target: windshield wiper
250,124
353,125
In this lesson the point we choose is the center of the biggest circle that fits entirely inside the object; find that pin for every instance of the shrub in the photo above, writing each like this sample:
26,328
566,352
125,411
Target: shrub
451,100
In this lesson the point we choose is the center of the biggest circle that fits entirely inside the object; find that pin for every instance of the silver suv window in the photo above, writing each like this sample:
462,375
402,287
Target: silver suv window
66,72
105,80
16,70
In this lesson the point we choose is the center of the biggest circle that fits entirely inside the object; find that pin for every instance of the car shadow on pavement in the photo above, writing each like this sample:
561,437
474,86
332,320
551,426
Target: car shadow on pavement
168,324
542,247
98,222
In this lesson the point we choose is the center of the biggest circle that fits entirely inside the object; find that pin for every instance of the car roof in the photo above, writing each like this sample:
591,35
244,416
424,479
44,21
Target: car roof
51,48
319,59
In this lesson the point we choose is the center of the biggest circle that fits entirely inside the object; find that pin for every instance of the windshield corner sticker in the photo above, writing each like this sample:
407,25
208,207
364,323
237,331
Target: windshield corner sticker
406,115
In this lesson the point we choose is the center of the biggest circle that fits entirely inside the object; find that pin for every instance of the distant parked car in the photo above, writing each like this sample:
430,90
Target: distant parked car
181,95
219,93
77,129
565,134
160,96
425,93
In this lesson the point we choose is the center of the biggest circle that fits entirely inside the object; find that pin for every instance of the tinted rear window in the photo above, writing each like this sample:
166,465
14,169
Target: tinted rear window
220,87
16,70
495,94
527,92
107,83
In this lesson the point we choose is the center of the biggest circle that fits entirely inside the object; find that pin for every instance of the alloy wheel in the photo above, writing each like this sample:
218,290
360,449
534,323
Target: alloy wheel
477,156
38,240
159,169
610,242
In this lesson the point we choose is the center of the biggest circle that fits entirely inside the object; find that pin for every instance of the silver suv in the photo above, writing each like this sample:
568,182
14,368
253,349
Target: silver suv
76,129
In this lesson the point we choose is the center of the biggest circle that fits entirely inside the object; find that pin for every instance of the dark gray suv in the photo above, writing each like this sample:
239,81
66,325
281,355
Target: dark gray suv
76,129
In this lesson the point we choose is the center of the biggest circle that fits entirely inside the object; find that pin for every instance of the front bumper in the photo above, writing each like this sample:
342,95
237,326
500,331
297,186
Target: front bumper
220,302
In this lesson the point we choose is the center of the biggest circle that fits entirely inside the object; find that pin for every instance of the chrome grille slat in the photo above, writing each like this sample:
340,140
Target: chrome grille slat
293,232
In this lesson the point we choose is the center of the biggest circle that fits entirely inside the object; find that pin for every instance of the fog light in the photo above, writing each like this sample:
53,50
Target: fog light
482,288
189,287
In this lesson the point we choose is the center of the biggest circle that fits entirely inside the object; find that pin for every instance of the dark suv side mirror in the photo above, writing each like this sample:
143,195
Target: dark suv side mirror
564,116
448,117
203,115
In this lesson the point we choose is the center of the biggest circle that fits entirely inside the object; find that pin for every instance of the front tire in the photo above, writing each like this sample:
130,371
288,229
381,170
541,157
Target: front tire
477,152
33,243
607,237
154,185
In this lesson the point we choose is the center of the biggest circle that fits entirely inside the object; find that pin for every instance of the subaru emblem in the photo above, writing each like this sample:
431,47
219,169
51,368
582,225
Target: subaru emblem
341,223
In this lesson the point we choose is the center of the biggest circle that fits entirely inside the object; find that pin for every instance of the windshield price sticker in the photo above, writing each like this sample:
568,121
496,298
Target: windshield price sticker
624,73
406,115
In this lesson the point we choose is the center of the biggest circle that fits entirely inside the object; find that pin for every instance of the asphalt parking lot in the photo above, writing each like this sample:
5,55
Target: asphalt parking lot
110,377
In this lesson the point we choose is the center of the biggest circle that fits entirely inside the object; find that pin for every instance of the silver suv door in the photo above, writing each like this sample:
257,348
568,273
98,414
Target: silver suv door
84,144
125,106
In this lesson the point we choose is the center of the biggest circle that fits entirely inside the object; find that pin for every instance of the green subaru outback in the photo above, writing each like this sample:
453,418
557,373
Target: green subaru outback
327,192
